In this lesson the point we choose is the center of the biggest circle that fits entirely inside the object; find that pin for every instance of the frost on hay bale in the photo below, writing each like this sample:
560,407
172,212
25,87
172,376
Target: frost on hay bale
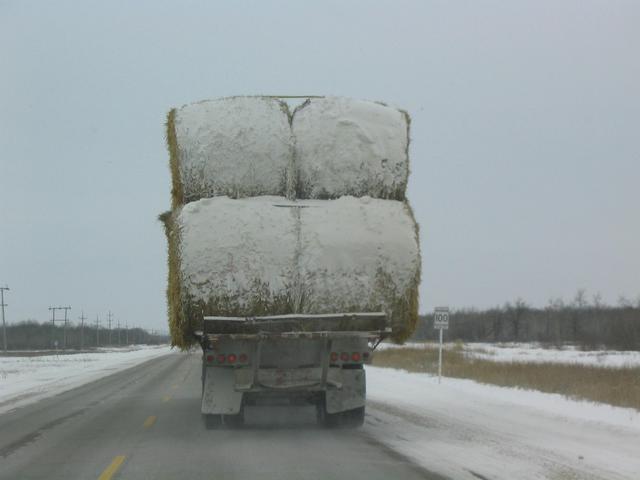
350,147
360,254
270,256
230,258
237,146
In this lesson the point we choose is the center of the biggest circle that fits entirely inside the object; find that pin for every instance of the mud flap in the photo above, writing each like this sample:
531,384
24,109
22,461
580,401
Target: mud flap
351,395
218,393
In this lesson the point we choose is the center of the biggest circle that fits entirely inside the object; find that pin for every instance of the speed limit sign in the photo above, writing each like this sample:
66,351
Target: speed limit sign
441,318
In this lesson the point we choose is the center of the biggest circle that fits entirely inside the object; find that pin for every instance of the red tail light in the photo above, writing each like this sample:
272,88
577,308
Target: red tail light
355,357
365,355
209,358
344,356
231,358
334,357
243,358
221,358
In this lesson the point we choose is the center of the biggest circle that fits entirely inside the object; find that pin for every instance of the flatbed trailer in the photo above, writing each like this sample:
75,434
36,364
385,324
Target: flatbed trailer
288,360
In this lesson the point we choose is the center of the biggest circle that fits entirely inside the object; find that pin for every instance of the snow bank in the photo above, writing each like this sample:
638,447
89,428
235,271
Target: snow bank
466,430
238,146
350,147
269,255
531,352
25,380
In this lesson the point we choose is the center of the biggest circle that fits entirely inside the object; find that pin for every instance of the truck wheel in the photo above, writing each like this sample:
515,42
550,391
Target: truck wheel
212,422
233,421
348,419
354,418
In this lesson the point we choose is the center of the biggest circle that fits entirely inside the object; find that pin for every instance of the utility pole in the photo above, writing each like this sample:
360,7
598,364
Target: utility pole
4,325
126,332
118,331
82,319
97,331
109,318
64,338
53,324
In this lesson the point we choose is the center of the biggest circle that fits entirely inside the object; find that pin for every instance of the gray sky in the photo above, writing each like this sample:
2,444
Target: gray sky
525,136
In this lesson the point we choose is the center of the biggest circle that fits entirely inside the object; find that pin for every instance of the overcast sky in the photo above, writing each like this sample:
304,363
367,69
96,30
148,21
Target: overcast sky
525,136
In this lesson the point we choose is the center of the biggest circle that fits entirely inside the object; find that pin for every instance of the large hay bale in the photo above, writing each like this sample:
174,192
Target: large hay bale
237,146
359,255
350,147
230,258
269,256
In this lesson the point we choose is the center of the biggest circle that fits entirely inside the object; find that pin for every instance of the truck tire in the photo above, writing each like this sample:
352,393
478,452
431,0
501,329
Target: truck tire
354,418
212,422
233,421
347,419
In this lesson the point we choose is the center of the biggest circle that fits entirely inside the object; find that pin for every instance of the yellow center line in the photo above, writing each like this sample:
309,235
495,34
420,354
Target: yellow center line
149,421
166,398
113,468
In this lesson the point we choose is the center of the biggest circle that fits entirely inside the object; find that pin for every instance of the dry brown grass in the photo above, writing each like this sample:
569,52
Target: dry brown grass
615,386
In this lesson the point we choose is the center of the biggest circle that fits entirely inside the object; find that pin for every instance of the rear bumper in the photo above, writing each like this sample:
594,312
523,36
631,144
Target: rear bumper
223,388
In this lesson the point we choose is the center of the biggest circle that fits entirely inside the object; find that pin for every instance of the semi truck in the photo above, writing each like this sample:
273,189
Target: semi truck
290,359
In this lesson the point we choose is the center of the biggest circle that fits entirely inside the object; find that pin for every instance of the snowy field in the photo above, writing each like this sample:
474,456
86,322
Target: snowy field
466,430
28,379
533,352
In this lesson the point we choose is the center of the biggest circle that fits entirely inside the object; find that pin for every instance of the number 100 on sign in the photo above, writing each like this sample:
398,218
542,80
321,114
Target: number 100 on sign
441,318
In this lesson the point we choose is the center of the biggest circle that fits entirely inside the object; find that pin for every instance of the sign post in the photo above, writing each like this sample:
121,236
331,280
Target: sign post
440,322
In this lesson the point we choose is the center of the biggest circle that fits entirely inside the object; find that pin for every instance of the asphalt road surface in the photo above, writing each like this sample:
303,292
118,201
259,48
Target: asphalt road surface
145,423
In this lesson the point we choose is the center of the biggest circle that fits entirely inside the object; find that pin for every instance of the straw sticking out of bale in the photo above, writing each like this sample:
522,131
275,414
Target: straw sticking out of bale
180,327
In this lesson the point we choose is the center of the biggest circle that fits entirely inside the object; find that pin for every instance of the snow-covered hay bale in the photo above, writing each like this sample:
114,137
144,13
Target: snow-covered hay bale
270,256
229,258
360,255
350,147
236,146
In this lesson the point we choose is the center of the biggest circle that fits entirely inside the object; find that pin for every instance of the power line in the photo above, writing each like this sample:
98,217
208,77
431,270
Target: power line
4,325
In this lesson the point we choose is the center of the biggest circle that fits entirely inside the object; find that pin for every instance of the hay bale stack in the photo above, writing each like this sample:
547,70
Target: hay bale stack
360,255
269,256
237,146
350,147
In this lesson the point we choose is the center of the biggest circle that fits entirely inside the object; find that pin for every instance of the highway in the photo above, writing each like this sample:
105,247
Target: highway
145,423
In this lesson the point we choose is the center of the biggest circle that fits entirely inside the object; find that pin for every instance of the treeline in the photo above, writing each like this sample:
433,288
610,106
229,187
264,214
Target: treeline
32,335
589,325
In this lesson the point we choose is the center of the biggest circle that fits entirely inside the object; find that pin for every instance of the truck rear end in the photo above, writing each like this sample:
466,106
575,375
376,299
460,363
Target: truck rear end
288,360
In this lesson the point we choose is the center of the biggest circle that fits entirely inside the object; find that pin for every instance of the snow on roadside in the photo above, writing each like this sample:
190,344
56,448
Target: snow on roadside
460,427
27,379
535,353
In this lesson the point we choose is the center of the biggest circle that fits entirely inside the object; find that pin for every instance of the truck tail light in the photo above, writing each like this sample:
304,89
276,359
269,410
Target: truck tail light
243,358
231,358
355,357
209,358
344,356
221,358
334,357
365,355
